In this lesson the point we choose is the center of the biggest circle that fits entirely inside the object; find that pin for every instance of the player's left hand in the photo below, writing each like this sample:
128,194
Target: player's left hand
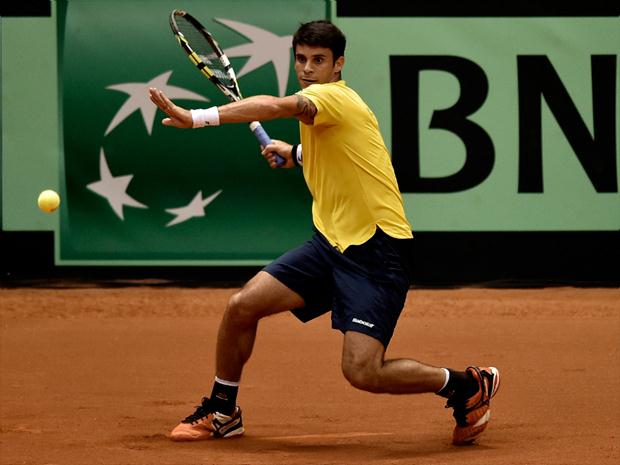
178,117
281,148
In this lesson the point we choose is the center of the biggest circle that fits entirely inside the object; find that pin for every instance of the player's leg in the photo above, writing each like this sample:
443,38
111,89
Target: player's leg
468,392
364,366
219,415
262,296
295,281
372,287
370,295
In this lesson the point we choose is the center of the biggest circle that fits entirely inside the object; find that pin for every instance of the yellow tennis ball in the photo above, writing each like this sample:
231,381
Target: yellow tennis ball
48,201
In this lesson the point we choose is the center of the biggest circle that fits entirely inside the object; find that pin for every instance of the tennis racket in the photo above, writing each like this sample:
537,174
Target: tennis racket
208,57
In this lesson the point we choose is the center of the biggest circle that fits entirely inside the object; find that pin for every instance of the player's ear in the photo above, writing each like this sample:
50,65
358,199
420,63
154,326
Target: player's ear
339,64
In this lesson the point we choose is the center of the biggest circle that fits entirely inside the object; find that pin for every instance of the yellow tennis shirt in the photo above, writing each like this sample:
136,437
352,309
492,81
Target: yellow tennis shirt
348,169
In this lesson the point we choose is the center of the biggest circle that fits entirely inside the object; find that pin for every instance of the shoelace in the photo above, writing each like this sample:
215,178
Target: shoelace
202,411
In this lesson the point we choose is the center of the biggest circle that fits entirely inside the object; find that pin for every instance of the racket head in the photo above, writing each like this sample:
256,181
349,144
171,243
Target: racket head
204,52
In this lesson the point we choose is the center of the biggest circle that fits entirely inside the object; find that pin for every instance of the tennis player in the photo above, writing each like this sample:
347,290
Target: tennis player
357,263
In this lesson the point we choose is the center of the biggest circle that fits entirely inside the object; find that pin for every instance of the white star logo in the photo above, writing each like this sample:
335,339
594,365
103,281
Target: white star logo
265,47
114,188
139,99
195,209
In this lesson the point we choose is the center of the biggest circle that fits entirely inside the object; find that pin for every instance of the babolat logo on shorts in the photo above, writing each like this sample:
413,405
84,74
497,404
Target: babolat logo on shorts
362,322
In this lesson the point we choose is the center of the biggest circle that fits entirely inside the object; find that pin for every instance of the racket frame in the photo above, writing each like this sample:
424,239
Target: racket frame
231,91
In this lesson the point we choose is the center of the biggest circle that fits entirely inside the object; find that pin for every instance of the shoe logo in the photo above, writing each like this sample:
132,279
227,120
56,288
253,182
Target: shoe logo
362,322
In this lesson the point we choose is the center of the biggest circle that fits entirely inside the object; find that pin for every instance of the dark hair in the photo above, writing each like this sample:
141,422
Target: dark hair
321,33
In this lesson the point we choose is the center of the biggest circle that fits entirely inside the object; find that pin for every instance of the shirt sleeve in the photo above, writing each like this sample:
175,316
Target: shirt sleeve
328,113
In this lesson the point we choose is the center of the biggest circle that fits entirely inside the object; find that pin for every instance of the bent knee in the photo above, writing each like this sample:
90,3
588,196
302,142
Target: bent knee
361,374
241,310
362,361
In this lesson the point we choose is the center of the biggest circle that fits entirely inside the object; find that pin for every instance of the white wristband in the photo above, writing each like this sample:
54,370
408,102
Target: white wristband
205,117
298,156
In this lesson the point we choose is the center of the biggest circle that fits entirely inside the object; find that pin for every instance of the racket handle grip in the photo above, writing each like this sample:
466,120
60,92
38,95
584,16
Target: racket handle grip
265,140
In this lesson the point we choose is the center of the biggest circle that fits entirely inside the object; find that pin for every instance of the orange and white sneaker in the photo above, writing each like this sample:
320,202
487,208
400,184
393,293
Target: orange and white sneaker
472,414
204,423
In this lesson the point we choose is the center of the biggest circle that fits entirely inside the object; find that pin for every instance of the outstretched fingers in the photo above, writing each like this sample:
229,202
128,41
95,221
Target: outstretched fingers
158,98
177,116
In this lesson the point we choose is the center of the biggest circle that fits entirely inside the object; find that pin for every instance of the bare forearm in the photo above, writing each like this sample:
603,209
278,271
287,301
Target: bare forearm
257,108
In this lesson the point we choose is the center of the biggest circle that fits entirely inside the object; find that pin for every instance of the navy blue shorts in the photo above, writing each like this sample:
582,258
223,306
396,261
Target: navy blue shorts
365,288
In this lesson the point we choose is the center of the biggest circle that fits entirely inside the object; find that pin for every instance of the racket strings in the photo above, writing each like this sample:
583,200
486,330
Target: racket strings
205,50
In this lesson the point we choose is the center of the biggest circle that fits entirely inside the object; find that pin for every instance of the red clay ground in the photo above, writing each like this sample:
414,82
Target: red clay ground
93,375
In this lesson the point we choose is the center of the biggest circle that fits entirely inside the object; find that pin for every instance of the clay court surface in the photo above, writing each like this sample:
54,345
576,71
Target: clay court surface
93,375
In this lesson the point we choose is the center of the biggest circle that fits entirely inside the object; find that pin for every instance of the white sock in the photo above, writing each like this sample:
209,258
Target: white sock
445,383
227,383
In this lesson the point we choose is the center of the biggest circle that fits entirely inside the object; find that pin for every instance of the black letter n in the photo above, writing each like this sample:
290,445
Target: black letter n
597,154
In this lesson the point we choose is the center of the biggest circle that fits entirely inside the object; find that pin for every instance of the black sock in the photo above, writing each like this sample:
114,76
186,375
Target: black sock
460,383
224,397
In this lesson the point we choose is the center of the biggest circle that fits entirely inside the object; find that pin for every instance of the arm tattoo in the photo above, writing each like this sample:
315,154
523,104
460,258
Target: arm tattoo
306,110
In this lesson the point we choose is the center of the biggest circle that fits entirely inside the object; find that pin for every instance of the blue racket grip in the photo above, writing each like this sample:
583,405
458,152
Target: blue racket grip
265,140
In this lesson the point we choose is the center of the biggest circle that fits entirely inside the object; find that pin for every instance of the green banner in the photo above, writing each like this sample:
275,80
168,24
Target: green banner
138,192
496,123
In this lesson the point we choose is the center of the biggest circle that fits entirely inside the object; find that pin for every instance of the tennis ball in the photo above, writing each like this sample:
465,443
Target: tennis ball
48,201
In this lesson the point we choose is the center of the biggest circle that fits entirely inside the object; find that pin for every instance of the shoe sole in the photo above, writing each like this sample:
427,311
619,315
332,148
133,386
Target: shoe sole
200,431
203,437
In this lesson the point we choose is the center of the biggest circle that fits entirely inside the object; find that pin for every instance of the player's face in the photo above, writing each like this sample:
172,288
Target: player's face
315,65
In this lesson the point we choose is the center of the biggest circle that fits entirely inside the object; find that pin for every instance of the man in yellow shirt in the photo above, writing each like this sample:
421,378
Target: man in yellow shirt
356,265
